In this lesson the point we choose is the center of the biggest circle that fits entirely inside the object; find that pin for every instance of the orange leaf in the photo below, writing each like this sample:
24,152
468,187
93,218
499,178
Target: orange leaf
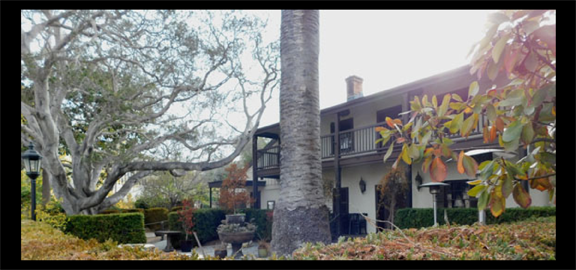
497,204
397,122
492,134
438,170
500,124
460,162
389,122
378,129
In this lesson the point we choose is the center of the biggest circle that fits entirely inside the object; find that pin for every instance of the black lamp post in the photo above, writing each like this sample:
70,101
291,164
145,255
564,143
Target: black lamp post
434,189
32,164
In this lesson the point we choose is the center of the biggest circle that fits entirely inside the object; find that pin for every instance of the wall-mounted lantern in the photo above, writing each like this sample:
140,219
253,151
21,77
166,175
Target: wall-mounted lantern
418,180
362,185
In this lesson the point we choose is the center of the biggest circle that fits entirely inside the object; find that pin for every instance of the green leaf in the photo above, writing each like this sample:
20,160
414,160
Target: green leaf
405,155
475,190
456,123
470,165
457,97
414,151
483,200
467,126
507,186
513,98
527,133
492,70
531,62
444,107
434,102
486,169
521,197
491,112
473,89
499,48
389,152
513,131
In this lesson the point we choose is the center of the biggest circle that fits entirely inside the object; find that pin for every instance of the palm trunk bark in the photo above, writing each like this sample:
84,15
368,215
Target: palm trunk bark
301,214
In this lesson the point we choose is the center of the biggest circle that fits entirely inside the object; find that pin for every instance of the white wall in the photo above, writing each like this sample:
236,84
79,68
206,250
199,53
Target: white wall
363,202
270,192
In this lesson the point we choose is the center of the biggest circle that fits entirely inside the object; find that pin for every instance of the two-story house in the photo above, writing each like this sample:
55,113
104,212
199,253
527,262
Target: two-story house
353,162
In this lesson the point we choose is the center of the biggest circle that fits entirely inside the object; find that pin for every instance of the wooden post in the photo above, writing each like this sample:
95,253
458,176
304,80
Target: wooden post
338,179
256,204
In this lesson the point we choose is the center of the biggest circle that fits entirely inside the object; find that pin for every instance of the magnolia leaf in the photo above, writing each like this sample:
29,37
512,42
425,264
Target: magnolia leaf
521,197
414,151
499,47
486,169
426,164
491,112
476,190
483,200
507,185
497,205
492,136
527,133
457,97
467,126
513,131
405,155
460,165
473,89
438,170
511,59
475,182
492,70
531,62
456,123
389,122
389,152
470,166
444,107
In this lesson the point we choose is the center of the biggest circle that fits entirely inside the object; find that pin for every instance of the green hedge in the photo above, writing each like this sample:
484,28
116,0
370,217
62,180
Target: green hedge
153,215
264,228
205,223
124,228
424,217
118,210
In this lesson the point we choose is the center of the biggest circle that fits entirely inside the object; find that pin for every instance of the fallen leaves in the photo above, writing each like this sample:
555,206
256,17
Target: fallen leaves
526,240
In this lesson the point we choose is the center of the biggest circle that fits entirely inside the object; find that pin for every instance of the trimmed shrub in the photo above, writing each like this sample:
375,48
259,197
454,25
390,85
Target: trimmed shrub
264,227
153,215
206,221
123,228
142,204
109,211
424,217
136,210
175,208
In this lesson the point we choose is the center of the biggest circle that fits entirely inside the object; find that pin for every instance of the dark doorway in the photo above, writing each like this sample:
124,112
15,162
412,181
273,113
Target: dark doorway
346,139
381,211
344,209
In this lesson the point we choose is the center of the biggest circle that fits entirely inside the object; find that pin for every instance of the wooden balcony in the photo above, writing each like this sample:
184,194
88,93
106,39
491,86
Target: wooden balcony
356,146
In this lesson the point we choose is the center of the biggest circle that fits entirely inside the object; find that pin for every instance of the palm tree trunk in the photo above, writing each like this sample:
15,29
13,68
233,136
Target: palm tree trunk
300,214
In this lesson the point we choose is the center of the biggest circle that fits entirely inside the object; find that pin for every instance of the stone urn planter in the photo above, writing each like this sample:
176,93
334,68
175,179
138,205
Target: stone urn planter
236,239
235,231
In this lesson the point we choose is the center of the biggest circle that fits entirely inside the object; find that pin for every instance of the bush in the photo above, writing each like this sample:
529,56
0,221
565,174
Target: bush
39,241
109,211
424,217
206,221
124,228
175,208
153,215
135,210
261,220
142,204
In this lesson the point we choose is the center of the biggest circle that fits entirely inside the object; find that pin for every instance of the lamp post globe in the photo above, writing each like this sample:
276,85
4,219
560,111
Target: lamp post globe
32,161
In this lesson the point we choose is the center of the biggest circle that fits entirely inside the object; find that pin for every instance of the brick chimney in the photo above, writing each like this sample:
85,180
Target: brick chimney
354,87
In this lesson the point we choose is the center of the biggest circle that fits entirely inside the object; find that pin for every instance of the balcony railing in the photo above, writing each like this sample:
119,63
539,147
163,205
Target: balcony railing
269,158
354,141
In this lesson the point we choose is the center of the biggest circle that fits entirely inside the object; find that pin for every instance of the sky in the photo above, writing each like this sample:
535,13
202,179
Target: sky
386,48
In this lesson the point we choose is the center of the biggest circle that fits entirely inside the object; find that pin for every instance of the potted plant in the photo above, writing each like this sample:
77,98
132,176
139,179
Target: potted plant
186,217
263,248
233,194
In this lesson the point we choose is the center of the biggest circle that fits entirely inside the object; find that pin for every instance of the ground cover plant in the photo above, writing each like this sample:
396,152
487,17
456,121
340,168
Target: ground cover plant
533,239
39,241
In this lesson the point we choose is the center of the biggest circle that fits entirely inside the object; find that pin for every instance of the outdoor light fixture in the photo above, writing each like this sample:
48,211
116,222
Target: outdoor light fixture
32,164
362,185
434,189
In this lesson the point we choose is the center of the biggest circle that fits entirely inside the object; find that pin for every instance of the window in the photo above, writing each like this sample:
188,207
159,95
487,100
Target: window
346,138
456,195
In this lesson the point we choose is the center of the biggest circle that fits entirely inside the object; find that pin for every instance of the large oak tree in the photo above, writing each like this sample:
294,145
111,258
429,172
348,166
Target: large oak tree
112,88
